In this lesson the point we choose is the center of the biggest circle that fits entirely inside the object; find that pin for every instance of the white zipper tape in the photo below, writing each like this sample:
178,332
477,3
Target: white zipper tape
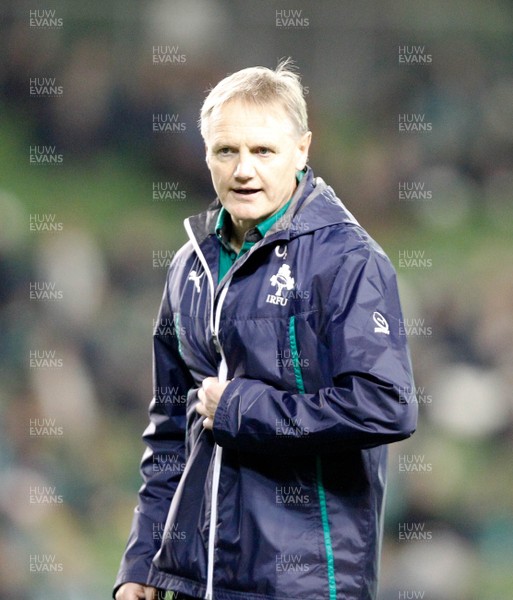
218,456
203,261
215,320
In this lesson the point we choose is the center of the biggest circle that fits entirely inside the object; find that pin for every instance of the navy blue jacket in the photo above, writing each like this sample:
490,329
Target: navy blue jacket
284,498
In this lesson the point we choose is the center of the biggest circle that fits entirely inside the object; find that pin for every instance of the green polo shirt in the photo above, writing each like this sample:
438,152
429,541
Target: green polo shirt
227,255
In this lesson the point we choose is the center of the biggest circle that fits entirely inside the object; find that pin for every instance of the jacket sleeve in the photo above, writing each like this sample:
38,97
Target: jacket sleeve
163,461
371,397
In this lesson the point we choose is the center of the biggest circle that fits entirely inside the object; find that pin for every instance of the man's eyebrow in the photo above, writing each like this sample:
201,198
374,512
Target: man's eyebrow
222,143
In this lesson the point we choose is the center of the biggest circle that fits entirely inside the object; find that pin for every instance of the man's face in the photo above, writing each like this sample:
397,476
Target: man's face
253,153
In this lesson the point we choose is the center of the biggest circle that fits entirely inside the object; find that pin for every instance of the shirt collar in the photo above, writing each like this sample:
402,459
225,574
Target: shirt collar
256,233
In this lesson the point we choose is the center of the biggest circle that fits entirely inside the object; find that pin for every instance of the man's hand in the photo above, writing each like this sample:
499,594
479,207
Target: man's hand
136,591
209,395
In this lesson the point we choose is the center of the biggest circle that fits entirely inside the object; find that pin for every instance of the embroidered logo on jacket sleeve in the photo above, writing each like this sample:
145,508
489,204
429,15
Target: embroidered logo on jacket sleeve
382,325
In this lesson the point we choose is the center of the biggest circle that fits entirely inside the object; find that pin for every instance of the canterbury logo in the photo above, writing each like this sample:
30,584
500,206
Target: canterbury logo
281,252
381,323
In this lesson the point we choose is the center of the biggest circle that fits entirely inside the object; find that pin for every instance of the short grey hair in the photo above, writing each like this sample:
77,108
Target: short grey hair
260,86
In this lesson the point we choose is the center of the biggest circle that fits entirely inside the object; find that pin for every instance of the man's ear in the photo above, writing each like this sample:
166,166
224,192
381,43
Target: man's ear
206,156
303,145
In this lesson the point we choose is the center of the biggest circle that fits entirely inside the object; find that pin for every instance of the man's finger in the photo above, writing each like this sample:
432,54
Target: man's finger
208,423
208,382
201,395
151,593
201,409
131,591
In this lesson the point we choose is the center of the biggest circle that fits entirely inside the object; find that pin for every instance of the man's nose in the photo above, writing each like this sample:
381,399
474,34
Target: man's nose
245,168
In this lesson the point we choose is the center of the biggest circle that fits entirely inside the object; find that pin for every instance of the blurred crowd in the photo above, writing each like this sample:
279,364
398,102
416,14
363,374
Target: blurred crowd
84,248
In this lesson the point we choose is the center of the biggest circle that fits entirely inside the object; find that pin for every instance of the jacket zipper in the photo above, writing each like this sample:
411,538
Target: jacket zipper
218,457
215,319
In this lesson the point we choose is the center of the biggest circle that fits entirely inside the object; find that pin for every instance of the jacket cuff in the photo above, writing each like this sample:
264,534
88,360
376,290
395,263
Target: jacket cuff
222,430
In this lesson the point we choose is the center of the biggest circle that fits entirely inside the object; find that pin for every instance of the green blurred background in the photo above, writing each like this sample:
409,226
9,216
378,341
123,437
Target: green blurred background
83,81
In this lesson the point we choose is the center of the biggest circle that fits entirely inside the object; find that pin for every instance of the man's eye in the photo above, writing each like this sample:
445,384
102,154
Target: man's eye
224,151
264,151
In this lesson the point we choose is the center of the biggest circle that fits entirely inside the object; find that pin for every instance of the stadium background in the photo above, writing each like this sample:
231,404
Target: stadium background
70,428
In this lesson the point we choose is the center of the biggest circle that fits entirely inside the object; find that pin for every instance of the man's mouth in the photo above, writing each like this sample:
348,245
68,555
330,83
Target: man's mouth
246,191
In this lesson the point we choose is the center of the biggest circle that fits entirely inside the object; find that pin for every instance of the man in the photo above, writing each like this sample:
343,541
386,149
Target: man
285,342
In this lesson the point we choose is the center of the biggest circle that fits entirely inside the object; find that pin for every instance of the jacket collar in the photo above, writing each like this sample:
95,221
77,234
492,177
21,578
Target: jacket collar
314,205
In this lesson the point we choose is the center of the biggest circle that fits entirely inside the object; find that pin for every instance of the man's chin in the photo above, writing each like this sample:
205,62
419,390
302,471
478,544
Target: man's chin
246,212
248,218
